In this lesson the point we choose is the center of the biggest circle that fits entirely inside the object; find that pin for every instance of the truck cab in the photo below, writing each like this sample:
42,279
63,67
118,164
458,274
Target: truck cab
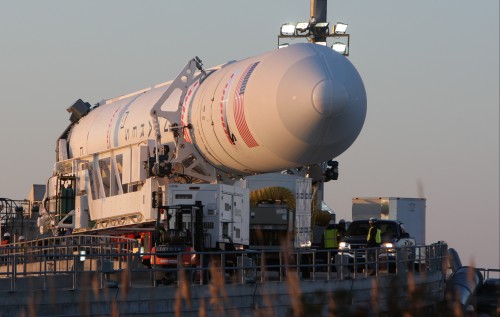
393,236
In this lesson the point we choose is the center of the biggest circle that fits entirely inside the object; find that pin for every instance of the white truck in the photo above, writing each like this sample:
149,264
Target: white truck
225,211
402,224
409,211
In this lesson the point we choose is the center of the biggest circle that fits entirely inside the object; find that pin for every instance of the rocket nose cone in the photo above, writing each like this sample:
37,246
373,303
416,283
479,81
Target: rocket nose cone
329,98
321,102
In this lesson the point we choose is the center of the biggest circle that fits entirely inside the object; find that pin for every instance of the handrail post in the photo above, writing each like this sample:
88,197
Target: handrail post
342,268
14,272
328,265
314,265
44,272
223,265
179,267
129,269
281,264
355,264
153,258
75,279
120,254
54,257
24,260
262,266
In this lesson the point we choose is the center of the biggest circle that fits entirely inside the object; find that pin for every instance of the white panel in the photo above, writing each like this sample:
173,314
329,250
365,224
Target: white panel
116,182
139,155
226,207
127,166
81,212
52,186
94,204
135,202
82,180
241,216
63,149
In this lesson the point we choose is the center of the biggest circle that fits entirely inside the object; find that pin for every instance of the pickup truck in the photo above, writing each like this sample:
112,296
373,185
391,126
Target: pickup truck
393,236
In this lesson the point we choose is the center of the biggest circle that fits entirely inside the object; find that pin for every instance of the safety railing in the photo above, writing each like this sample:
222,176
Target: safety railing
93,261
489,273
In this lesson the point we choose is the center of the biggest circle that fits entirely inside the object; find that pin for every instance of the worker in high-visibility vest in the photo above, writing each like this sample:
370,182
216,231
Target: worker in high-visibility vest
330,243
373,239
330,237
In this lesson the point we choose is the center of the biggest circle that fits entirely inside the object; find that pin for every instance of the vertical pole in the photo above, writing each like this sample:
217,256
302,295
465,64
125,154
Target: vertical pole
314,265
44,272
281,266
179,268
318,11
76,257
202,269
100,266
313,8
14,273
320,7
262,267
313,14
24,259
129,269
328,268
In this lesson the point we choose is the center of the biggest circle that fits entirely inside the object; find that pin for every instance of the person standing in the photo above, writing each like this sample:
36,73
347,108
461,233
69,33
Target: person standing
330,237
6,238
4,247
330,243
373,239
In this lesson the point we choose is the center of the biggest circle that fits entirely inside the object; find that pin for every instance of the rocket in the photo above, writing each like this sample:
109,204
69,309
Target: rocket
296,106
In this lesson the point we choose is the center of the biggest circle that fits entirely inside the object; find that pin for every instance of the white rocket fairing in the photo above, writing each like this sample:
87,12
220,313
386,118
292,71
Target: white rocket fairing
296,106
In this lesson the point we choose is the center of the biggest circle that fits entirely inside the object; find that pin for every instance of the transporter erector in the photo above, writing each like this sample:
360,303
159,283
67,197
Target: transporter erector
292,109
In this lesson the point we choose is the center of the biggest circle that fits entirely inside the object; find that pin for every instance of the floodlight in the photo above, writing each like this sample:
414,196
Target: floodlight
321,29
282,45
302,28
287,29
339,47
340,28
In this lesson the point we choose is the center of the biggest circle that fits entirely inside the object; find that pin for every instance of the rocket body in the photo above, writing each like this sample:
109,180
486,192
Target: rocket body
291,107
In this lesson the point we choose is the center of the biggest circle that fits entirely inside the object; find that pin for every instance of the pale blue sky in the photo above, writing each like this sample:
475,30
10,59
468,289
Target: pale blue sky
431,71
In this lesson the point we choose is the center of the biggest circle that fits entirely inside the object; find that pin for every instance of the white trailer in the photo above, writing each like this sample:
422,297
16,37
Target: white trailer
410,211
